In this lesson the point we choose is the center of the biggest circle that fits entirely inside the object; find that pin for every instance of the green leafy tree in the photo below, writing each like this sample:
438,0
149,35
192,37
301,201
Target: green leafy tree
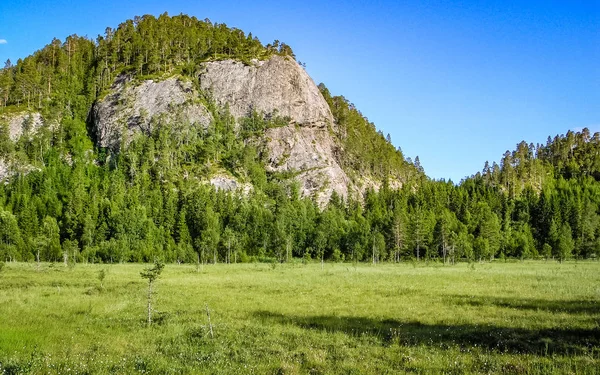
547,251
10,237
49,240
211,233
378,247
565,243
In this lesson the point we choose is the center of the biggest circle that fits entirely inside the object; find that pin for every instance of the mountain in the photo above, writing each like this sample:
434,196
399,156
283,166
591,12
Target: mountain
145,75
188,140
302,144
178,102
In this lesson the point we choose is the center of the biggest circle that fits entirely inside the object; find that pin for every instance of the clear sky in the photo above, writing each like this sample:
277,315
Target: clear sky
455,82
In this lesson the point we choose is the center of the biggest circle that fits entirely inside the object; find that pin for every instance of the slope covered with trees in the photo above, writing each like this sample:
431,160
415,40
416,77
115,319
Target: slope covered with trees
69,75
364,149
73,201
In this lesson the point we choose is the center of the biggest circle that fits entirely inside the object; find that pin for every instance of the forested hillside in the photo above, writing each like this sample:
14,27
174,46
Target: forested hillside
365,150
76,71
65,198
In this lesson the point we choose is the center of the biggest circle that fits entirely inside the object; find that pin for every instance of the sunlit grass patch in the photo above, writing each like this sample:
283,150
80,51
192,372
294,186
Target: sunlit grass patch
531,317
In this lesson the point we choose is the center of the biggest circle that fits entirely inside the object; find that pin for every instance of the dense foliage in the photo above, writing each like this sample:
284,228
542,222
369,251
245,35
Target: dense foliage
68,76
364,150
146,203
74,202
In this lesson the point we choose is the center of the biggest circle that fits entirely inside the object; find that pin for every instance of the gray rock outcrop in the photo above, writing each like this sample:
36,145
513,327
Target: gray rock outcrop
18,124
280,87
308,152
131,109
228,183
275,87
22,122
4,170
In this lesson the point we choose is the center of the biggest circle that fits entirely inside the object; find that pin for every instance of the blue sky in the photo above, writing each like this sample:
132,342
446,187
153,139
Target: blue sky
457,83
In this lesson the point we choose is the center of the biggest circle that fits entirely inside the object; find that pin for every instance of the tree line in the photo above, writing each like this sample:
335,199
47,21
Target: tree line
148,201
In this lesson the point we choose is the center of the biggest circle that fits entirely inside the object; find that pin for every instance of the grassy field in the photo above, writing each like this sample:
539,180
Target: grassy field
521,318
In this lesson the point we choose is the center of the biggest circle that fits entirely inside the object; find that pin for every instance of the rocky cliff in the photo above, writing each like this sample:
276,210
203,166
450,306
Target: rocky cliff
133,107
280,87
22,122
18,124
277,87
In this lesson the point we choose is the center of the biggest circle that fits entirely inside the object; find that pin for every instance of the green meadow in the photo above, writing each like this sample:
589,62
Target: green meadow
510,318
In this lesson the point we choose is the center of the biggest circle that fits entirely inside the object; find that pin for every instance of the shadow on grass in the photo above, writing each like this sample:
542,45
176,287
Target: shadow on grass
499,339
579,307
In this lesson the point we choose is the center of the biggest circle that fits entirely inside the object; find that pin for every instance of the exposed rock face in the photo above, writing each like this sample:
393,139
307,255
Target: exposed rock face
365,183
129,109
278,84
4,170
18,124
22,122
309,153
10,168
227,183
275,87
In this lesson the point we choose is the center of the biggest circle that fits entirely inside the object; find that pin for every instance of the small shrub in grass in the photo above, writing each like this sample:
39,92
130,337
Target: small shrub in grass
101,276
151,274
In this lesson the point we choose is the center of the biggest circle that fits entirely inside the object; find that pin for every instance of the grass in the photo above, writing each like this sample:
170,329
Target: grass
515,318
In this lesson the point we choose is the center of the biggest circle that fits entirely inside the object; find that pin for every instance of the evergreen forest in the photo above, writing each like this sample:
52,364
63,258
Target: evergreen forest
68,200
